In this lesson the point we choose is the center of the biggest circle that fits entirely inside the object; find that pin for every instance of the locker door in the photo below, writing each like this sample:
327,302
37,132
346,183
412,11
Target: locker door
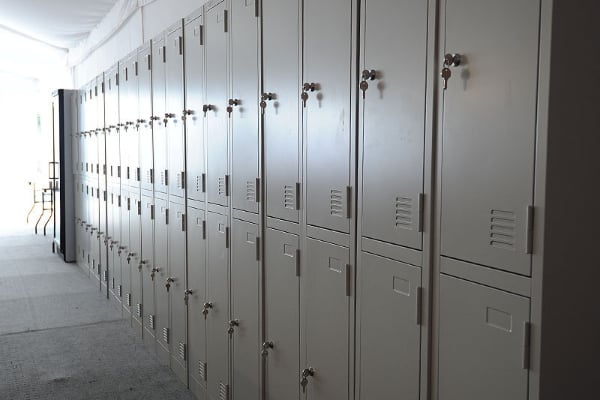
280,115
158,115
147,260
216,104
217,321
117,243
328,114
282,315
134,260
126,204
112,228
389,329
196,240
124,100
175,107
178,287
245,304
393,119
326,290
161,264
101,236
194,100
131,127
483,342
488,132
146,164
243,106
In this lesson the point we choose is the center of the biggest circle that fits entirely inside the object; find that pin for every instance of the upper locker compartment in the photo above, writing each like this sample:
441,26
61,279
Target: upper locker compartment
392,95
146,164
194,100
175,109
279,106
112,120
242,107
158,111
488,131
215,109
327,99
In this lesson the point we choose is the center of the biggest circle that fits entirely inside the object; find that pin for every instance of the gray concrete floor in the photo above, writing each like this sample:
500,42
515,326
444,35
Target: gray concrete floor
60,338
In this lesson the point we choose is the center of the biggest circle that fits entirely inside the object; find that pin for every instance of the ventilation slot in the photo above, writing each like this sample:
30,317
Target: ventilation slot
502,229
221,188
250,191
148,177
138,310
223,391
289,197
128,299
166,335
120,291
182,351
336,206
202,370
105,276
198,184
151,322
178,180
403,213
162,178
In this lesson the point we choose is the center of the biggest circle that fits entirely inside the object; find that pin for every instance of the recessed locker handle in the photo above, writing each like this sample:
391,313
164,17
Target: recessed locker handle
298,262
348,280
529,230
526,344
348,202
419,301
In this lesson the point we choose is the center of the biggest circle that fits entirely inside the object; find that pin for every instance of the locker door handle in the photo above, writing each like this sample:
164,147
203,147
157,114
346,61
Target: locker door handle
207,107
168,283
205,307
232,324
265,348
232,103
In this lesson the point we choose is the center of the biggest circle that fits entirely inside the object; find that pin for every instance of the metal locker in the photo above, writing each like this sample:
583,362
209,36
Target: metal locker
143,125
134,259
161,270
282,315
217,305
392,89
113,241
243,105
125,77
389,345
131,130
245,324
216,104
147,266
194,100
174,110
123,253
328,113
111,96
483,342
158,115
326,293
196,295
488,131
176,285
280,105
101,236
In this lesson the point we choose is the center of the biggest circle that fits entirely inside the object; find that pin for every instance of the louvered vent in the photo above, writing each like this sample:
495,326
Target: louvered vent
120,291
336,206
403,212
151,322
128,299
223,391
198,184
289,197
221,187
138,310
502,229
250,191
166,335
202,370
162,178
178,180
182,351
148,177
105,276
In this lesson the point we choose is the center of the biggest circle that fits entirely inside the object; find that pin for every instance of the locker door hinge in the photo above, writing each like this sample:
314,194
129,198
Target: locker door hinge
151,175
227,185
183,179
526,344
180,43
204,230
348,280
149,61
166,177
419,299
529,228
183,223
167,216
298,262
348,202
421,212
139,207
257,196
227,237
225,24
203,183
152,211
138,173
257,248
298,189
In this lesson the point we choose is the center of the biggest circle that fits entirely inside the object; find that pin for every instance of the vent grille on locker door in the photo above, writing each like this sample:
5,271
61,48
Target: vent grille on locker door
221,186
182,351
502,229
162,178
166,335
178,180
250,191
138,310
403,212
128,299
148,177
223,391
336,203
289,197
202,370
198,184
151,322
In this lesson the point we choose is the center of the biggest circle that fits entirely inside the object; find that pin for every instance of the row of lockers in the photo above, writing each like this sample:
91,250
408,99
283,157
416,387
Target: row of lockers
263,208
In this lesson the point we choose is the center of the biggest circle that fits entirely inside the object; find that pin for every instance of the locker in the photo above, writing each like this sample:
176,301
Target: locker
327,306
243,105
113,241
389,328
484,342
217,306
488,132
124,250
281,104
176,285
245,314
194,100
112,120
146,164
158,111
175,107
196,261
393,119
216,105
125,115
131,130
161,266
101,236
328,113
282,315
147,261
134,260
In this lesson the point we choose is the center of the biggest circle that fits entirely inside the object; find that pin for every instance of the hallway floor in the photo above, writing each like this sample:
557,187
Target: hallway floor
60,338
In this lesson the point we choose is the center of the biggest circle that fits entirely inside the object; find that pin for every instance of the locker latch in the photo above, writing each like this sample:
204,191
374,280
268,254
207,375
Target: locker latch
306,372
167,117
186,295
168,283
308,87
232,324
207,107
153,273
450,60
367,75
264,98
141,264
265,348
186,113
232,103
130,256
206,307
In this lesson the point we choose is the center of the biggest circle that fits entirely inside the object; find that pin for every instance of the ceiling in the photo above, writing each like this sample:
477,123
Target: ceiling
59,23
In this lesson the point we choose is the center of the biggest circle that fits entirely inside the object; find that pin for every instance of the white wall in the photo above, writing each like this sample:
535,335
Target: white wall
144,20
